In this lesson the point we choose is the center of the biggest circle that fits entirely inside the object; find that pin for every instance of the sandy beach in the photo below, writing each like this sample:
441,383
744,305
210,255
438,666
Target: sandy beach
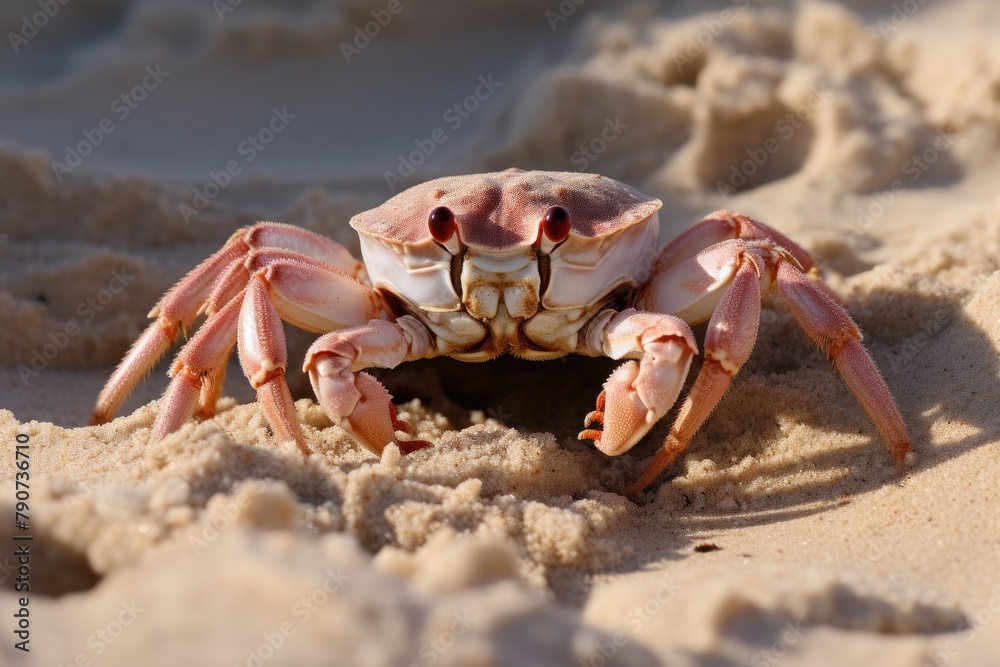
136,137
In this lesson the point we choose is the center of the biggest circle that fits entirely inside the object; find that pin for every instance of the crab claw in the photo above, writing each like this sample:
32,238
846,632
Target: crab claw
639,393
356,401
360,405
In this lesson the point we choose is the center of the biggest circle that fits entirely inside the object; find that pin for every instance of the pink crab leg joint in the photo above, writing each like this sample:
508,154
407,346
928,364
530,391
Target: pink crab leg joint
264,358
201,358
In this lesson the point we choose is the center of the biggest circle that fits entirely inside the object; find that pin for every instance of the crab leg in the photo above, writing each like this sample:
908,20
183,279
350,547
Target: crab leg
691,290
180,306
356,401
211,389
829,325
638,393
264,358
237,274
278,235
725,225
733,329
308,296
302,292
176,311
730,338
195,372
299,272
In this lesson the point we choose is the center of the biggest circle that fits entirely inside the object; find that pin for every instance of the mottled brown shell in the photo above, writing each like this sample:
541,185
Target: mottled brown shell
504,209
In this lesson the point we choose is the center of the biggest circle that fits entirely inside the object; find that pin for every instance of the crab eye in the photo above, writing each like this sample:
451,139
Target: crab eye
556,224
441,223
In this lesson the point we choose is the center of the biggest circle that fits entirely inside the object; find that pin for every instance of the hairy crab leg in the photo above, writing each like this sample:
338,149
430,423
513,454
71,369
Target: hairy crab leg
178,309
237,274
308,296
278,235
231,281
830,327
356,401
349,290
195,370
211,389
732,332
638,393
304,293
264,358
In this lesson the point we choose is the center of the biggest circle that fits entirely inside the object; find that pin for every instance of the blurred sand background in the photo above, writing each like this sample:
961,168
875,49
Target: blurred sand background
869,132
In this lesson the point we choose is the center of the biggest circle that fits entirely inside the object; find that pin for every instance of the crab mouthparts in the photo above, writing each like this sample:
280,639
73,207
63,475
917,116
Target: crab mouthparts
511,279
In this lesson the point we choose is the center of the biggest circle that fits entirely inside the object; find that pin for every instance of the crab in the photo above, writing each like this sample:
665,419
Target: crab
532,263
